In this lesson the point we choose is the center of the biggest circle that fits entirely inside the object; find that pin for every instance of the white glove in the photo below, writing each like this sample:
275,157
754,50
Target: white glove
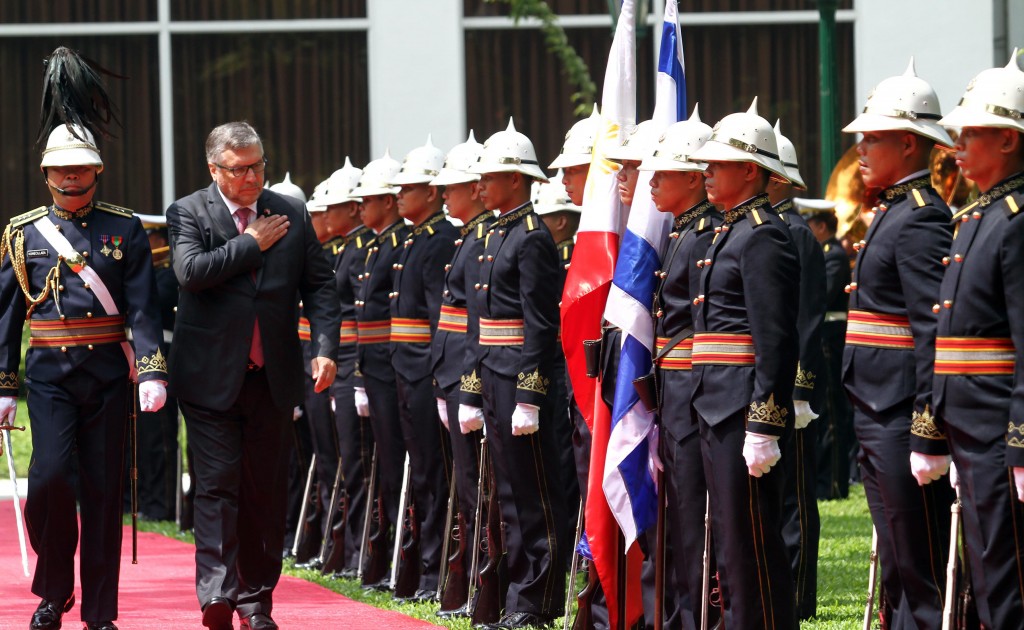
362,402
954,478
525,419
8,409
804,413
761,452
928,468
297,413
1018,480
442,412
470,418
152,395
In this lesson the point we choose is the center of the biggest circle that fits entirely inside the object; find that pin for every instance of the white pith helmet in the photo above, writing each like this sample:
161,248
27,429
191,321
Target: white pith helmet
787,153
812,207
420,165
65,147
743,137
287,188
902,103
638,145
377,176
457,163
677,144
551,197
316,200
578,147
339,185
509,152
994,98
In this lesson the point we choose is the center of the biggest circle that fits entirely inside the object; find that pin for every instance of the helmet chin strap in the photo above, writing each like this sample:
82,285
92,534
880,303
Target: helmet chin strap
68,193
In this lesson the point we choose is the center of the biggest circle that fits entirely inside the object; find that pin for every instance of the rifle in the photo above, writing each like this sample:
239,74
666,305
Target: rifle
334,536
493,584
405,563
456,584
706,582
478,519
574,566
872,575
442,576
372,547
300,532
585,601
133,440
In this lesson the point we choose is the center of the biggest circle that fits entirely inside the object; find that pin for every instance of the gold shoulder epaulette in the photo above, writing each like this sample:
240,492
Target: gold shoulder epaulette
918,197
480,230
1012,207
828,247
755,218
29,217
112,209
963,211
531,222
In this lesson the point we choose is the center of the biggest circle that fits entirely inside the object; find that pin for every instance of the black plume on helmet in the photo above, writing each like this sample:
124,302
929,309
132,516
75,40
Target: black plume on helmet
74,94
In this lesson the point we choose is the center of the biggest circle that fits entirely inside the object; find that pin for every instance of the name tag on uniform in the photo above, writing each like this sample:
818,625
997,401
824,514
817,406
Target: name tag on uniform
37,253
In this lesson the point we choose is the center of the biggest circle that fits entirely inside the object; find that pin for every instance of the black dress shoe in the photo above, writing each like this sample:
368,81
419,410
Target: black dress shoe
49,613
100,625
521,620
258,621
217,614
464,611
348,573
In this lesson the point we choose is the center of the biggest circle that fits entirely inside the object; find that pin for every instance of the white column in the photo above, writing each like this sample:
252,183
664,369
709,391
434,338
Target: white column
417,83
951,41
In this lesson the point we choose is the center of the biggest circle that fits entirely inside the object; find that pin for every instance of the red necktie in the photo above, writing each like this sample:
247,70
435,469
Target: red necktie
256,350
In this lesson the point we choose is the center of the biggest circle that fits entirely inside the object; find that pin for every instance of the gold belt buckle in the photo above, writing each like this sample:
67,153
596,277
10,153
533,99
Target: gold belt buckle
76,262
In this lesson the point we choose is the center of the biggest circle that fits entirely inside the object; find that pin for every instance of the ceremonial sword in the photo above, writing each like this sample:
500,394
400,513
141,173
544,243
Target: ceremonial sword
6,430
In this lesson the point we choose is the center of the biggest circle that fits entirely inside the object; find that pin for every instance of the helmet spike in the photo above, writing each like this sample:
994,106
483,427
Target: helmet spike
778,127
695,114
753,107
511,125
348,163
471,138
1013,60
911,69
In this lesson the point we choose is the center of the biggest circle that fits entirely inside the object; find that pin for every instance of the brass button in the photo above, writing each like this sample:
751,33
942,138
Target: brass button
89,314
945,260
673,235
85,254
935,308
660,313
947,303
394,265
89,346
480,258
60,287
707,262
490,258
700,264
958,258
718,230
63,348
976,214
84,224
448,267
696,301
477,286
447,292
964,219
853,286
484,287
848,288
86,285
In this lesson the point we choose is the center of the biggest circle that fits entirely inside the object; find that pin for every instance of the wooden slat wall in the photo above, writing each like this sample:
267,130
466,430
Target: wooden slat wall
510,72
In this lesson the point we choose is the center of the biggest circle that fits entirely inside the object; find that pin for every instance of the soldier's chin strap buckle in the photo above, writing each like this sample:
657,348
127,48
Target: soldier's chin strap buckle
76,262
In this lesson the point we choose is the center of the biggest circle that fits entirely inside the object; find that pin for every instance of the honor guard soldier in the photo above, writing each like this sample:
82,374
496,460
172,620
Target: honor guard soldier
835,422
456,345
518,305
890,344
677,187
80,271
352,431
377,397
576,155
979,350
802,524
744,367
639,144
562,218
415,309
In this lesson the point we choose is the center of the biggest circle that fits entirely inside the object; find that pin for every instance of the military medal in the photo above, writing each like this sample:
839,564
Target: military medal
116,240
106,250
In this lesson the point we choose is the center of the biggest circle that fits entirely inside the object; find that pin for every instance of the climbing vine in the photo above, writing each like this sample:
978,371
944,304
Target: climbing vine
576,70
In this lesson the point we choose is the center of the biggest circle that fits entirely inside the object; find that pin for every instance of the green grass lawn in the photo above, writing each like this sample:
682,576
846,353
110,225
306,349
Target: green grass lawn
842,570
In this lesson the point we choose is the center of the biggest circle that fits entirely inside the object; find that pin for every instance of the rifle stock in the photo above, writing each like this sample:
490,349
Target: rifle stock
490,596
302,548
332,549
872,575
373,549
405,563
948,609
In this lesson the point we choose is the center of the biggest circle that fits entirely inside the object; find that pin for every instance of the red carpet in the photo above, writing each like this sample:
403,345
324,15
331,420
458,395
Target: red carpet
159,592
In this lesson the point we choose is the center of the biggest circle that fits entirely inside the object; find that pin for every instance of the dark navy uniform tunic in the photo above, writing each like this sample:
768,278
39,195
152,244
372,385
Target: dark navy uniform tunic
680,442
517,297
454,351
979,390
802,523
415,309
744,368
355,439
77,381
373,317
887,371
835,424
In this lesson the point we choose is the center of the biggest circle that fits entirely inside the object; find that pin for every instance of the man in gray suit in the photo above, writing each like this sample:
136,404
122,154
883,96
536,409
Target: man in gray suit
244,256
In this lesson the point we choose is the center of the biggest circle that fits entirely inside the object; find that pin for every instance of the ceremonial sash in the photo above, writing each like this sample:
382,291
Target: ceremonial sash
378,331
409,330
879,330
974,355
76,331
710,348
501,332
453,319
